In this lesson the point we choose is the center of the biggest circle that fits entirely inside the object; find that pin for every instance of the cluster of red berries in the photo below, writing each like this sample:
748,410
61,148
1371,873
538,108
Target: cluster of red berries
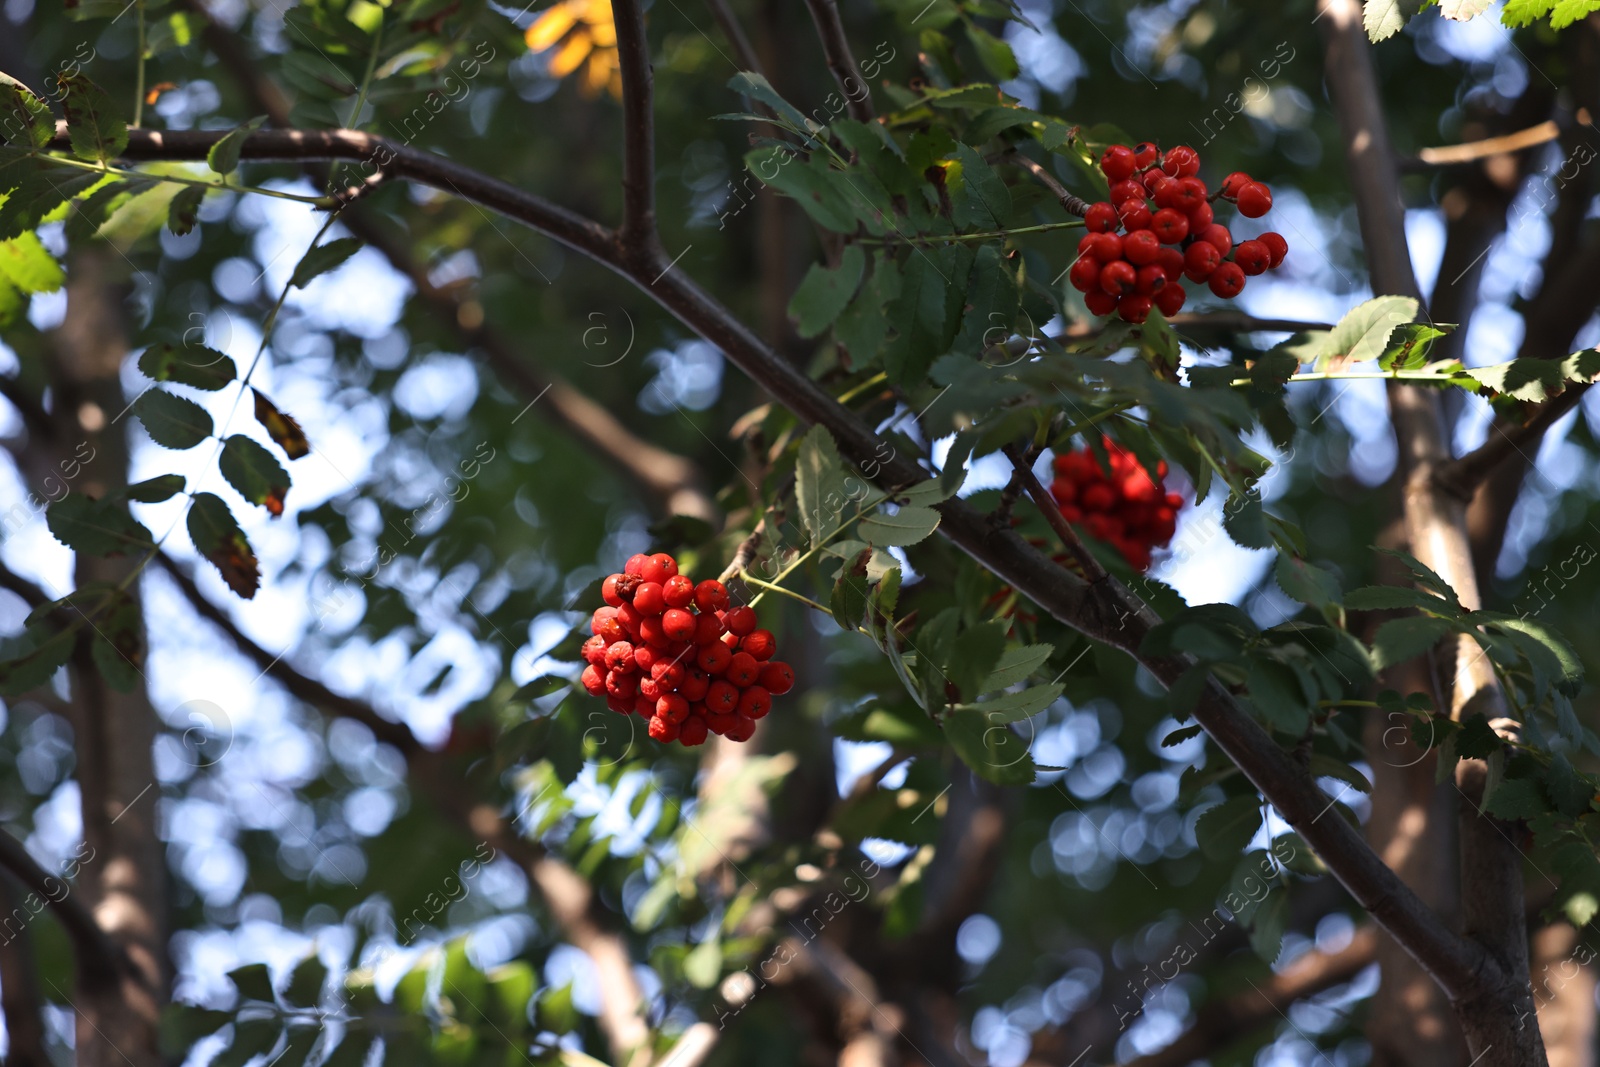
1126,508
1169,232
680,655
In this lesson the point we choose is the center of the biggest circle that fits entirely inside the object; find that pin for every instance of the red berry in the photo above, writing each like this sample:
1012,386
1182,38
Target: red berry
741,621
1218,236
1233,183
594,650
619,658
1107,247
651,633
760,644
621,705
755,702
604,623
663,731
652,690
743,669
635,564
692,732
714,658
718,724
1171,260
1099,302
1135,308
1151,280
653,570
672,707
1097,498
649,600
643,706
1134,215
731,641
1255,200
1085,274
1180,162
707,628
1100,218
1165,193
1200,259
678,625
711,595
777,677
1169,224
669,566
1118,278
1201,216
678,591
1141,247
668,674
621,685
1277,247
1170,299
1227,281
593,680
1189,195
1118,162
1127,189
1253,257
608,591
695,683
1145,154
721,698
741,729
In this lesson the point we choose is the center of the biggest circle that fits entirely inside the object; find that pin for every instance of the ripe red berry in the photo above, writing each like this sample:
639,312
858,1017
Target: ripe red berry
1141,247
1170,225
608,591
651,690
777,677
692,732
1118,162
648,599
740,729
1201,216
1253,257
668,565
1255,200
1218,236
651,633
678,625
1107,247
755,702
722,698
694,685
707,628
741,621
1277,247
1099,302
1097,497
1153,180
642,705
594,650
593,680
714,658
1085,274
1180,162
1171,260
672,707
1118,278
1135,308
1134,215
1151,279
1189,195
1227,281
743,669
711,595
760,644
1199,260
663,731
635,564
652,570
1100,218
1145,154
1127,189
1234,182
621,685
678,591
619,658
604,624
1170,299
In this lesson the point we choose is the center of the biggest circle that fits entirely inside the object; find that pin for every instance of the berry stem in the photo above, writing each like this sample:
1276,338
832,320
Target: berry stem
986,235
746,577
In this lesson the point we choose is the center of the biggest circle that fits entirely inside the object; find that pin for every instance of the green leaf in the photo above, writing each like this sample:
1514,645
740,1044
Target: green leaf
1246,521
35,658
820,484
1525,12
1516,798
1401,639
1223,831
1276,692
96,129
26,264
251,1038
863,325
118,646
183,211
155,490
703,965
96,527
824,194
825,293
217,537
1324,766
984,202
1385,18
1569,669
24,119
511,989
172,421
997,57
990,749
1017,664
322,258
1306,582
1014,707
992,302
1464,10
305,982
927,313
907,526
1409,346
192,365
1268,923
1570,791
352,1050
849,600
1363,333
94,210
254,472
36,196
224,155
1424,575
1388,597
1569,11
254,982
756,87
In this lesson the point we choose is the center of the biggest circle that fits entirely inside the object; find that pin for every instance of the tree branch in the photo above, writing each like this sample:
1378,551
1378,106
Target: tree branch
1073,205
101,961
19,991
637,234
1543,133
1107,611
34,416
1461,477
1052,515
31,594
742,48
836,47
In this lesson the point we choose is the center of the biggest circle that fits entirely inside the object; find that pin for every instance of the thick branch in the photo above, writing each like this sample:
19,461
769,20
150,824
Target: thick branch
836,47
34,416
1461,477
19,990
1106,612
101,961
1222,1022
638,231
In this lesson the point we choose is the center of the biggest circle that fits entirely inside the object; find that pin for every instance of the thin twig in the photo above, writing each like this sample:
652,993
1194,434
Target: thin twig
1505,144
1052,515
637,234
736,36
1461,477
1073,205
836,47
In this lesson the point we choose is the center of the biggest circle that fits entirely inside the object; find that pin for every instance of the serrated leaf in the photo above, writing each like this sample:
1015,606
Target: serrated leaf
1246,521
183,211
1363,333
907,526
24,118
254,472
990,749
820,484
1223,831
1463,10
96,130
1569,11
1389,597
91,212
821,192
45,650
1516,798
1276,692
1268,923
192,365
1306,582
217,537
305,982
322,258
1017,664
96,527
984,202
254,982
997,57
756,87
1014,707
1569,670
1385,18
172,421
118,648
825,292
927,314
849,600
155,490
224,155
26,264
1180,735
1401,639
540,687
1525,12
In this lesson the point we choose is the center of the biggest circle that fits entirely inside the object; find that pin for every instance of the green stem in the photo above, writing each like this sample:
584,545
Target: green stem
791,594
987,235
324,202
138,77
1421,374
850,394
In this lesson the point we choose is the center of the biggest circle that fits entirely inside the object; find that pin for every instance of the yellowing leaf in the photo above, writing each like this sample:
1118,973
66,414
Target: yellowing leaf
551,26
570,55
